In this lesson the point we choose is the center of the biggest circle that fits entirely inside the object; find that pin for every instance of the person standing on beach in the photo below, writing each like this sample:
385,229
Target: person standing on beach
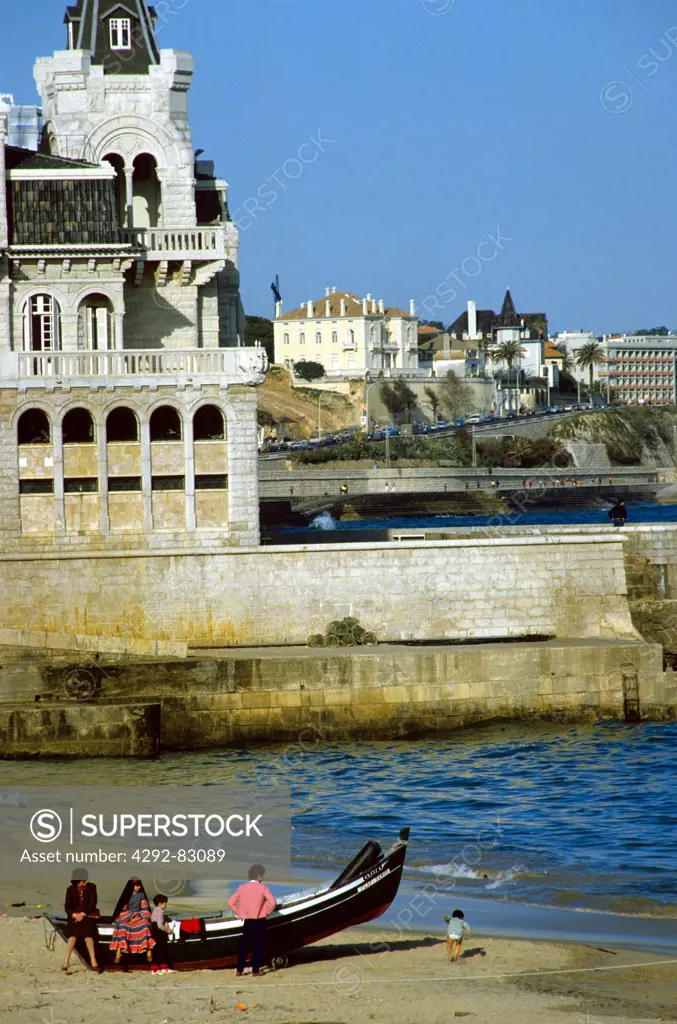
82,913
457,929
252,902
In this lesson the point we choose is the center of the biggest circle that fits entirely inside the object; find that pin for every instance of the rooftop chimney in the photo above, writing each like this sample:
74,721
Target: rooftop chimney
472,320
343,307
311,310
381,307
278,310
373,306
327,306
365,307
333,291
412,307
326,290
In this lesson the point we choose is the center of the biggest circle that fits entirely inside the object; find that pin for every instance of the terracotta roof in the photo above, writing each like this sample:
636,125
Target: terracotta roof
429,332
353,308
551,351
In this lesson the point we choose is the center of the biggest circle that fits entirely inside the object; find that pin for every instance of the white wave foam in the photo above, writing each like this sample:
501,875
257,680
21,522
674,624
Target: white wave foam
323,522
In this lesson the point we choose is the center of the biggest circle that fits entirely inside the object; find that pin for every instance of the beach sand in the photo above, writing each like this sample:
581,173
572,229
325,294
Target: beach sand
349,979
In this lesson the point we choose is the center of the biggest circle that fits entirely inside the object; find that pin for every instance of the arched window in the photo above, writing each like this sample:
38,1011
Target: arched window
166,425
285,339
147,192
122,425
78,427
42,324
209,424
318,337
351,337
334,337
96,324
33,427
302,338
373,335
118,165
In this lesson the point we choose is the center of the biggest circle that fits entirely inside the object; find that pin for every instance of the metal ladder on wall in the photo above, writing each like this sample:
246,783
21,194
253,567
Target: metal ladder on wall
631,707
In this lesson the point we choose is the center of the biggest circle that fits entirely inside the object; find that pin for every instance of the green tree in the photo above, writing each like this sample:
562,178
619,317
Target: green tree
434,400
507,352
257,328
306,369
588,357
456,396
399,399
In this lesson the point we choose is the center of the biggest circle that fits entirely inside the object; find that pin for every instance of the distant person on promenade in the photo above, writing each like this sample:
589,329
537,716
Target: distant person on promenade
618,514
252,902
82,913
457,929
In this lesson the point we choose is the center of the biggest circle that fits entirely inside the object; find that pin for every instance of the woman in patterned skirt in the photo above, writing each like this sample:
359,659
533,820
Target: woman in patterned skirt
131,922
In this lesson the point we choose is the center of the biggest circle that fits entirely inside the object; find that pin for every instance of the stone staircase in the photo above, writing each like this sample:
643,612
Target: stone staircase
591,457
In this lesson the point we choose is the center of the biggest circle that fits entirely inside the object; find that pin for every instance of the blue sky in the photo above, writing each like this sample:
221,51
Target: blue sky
441,123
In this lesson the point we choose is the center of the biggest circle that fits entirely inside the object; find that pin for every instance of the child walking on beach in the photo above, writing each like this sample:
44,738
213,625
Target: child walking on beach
457,929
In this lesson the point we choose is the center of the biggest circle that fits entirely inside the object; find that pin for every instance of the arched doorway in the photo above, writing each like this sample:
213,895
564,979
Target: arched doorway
146,200
33,428
96,324
122,426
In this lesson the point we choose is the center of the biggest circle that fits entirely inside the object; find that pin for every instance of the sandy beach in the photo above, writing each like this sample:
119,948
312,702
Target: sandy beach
344,981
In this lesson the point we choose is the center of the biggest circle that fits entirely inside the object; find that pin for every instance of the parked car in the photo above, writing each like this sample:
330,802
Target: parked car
475,419
459,423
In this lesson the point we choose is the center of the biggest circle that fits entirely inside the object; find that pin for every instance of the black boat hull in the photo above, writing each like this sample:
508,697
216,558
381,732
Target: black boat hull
292,926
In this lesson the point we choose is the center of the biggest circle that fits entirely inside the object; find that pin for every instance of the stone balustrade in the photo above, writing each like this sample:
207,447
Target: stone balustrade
222,366
178,243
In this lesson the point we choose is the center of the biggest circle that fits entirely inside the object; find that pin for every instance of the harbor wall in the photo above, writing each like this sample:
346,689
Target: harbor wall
307,696
488,585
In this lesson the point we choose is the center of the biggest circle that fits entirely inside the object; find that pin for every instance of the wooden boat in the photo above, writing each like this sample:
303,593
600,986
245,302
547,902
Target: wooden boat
362,892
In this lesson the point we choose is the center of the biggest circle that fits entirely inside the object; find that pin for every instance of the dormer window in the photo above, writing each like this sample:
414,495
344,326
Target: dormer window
120,33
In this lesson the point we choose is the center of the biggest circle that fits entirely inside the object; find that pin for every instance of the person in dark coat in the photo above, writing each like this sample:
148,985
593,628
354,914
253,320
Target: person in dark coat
82,913
618,514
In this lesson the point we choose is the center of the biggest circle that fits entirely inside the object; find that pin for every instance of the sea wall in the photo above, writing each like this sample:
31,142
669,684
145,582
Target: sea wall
307,696
79,730
476,587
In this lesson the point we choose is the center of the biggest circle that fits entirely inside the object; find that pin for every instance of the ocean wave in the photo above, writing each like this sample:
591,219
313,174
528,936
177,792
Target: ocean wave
493,879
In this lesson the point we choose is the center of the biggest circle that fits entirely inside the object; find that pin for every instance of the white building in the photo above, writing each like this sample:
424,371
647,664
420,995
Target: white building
127,408
571,342
348,335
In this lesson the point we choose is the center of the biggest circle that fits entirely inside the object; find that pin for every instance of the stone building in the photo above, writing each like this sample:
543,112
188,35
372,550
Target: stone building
348,335
126,404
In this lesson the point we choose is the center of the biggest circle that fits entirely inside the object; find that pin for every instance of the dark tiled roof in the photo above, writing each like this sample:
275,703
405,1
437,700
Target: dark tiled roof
485,323
28,160
56,211
508,316
488,321
90,18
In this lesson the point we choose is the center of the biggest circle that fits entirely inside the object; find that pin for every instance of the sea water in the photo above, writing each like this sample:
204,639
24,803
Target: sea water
578,817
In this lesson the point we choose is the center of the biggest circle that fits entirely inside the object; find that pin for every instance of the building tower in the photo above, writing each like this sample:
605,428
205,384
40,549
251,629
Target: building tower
112,95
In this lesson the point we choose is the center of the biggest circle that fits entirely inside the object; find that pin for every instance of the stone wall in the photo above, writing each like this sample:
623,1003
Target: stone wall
140,508
306,697
473,588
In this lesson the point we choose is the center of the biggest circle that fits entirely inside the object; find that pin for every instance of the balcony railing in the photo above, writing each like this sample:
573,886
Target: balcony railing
220,365
178,243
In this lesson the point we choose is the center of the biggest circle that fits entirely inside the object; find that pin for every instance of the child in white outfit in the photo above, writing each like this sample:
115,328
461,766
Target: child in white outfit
457,929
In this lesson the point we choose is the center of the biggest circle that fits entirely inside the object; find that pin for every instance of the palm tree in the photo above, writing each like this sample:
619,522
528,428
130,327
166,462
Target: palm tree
507,352
588,357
